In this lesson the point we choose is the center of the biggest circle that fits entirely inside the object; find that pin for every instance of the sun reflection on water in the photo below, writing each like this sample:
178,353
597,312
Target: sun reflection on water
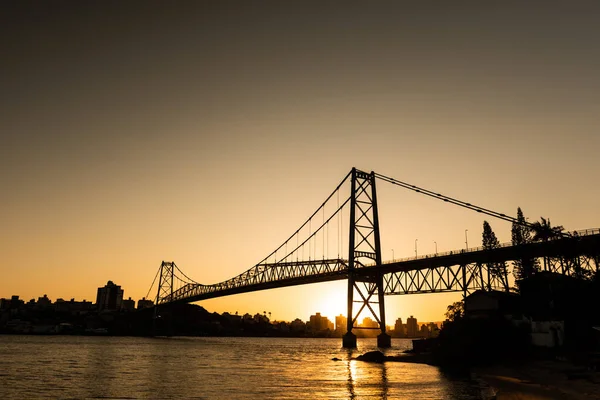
213,368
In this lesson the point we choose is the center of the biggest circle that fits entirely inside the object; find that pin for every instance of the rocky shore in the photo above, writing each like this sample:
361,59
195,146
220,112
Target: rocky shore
530,380
541,380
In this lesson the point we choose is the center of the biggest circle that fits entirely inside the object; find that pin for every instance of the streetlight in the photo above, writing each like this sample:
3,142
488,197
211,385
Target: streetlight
393,258
466,239
416,248
434,242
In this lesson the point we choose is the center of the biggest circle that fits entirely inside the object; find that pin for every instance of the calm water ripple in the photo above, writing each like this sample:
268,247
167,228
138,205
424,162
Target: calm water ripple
78,367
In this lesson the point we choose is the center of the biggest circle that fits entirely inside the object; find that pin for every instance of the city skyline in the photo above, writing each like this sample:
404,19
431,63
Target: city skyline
205,134
48,300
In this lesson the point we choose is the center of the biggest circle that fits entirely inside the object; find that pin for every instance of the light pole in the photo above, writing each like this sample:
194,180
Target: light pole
434,242
466,239
416,255
393,258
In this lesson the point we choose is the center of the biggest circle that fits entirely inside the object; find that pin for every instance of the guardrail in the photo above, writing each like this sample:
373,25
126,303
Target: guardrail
574,234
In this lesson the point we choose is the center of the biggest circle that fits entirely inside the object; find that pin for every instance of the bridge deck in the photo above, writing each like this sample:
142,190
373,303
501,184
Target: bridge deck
279,275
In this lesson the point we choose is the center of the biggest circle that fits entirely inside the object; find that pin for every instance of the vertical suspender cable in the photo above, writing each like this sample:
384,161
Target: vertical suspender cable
309,235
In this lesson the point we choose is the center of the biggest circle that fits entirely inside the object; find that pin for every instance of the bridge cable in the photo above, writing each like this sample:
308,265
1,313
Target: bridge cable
316,231
153,281
190,280
307,221
454,201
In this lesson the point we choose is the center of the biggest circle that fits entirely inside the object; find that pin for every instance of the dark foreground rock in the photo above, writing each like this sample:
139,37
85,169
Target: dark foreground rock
372,356
379,357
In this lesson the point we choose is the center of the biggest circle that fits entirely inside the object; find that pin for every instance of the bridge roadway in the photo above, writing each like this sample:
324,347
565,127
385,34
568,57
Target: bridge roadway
270,276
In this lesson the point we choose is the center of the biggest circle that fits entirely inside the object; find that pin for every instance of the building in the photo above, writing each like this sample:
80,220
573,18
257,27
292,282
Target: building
143,303
319,323
110,297
399,328
484,304
73,307
43,302
412,328
5,304
369,323
128,305
434,330
340,323
329,324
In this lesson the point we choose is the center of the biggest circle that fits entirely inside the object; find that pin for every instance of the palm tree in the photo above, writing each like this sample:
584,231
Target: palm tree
543,231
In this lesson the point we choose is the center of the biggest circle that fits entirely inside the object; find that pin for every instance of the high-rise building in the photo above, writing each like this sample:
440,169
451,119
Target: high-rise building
412,329
433,329
340,323
110,297
319,323
399,328
369,323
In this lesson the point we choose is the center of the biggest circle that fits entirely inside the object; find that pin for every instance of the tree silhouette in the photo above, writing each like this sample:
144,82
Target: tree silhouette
521,234
543,231
455,311
489,241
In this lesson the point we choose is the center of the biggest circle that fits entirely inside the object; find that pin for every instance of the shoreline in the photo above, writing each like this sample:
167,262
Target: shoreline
538,379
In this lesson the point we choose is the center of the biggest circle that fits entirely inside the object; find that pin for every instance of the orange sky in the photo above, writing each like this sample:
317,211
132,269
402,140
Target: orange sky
205,135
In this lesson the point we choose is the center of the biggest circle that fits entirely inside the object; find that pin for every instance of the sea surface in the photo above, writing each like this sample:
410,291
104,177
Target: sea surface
83,367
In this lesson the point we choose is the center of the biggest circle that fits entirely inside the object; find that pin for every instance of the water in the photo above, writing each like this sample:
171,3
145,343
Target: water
80,367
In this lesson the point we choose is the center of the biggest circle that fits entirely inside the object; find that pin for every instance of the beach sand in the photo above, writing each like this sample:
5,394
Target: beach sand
539,380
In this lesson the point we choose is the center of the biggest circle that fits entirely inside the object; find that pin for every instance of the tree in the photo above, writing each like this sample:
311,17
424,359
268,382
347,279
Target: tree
543,231
521,234
455,311
489,242
520,231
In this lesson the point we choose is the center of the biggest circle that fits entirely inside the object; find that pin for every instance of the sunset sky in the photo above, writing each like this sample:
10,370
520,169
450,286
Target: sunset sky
205,133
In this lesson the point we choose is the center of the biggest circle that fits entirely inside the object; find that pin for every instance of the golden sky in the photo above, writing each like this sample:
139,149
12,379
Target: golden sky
207,134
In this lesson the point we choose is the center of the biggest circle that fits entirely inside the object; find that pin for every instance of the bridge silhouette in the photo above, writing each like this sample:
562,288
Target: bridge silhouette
312,255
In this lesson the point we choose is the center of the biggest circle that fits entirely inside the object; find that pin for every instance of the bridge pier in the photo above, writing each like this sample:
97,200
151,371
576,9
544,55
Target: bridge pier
384,340
349,340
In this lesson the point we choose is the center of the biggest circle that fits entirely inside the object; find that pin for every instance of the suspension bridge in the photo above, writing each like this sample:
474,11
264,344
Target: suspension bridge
341,240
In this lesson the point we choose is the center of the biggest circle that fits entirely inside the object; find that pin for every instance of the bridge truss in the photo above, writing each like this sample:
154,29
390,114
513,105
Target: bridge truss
314,253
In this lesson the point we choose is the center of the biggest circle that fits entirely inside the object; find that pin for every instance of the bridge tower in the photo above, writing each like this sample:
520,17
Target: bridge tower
164,294
364,249
165,282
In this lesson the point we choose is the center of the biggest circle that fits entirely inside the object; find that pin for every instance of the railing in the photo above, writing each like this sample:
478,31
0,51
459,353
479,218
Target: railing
574,234
270,273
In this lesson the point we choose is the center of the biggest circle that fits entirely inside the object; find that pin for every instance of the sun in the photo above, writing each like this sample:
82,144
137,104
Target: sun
333,303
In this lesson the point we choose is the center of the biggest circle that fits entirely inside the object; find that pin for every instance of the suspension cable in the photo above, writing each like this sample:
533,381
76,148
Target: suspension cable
187,277
153,281
311,217
316,231
454,201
